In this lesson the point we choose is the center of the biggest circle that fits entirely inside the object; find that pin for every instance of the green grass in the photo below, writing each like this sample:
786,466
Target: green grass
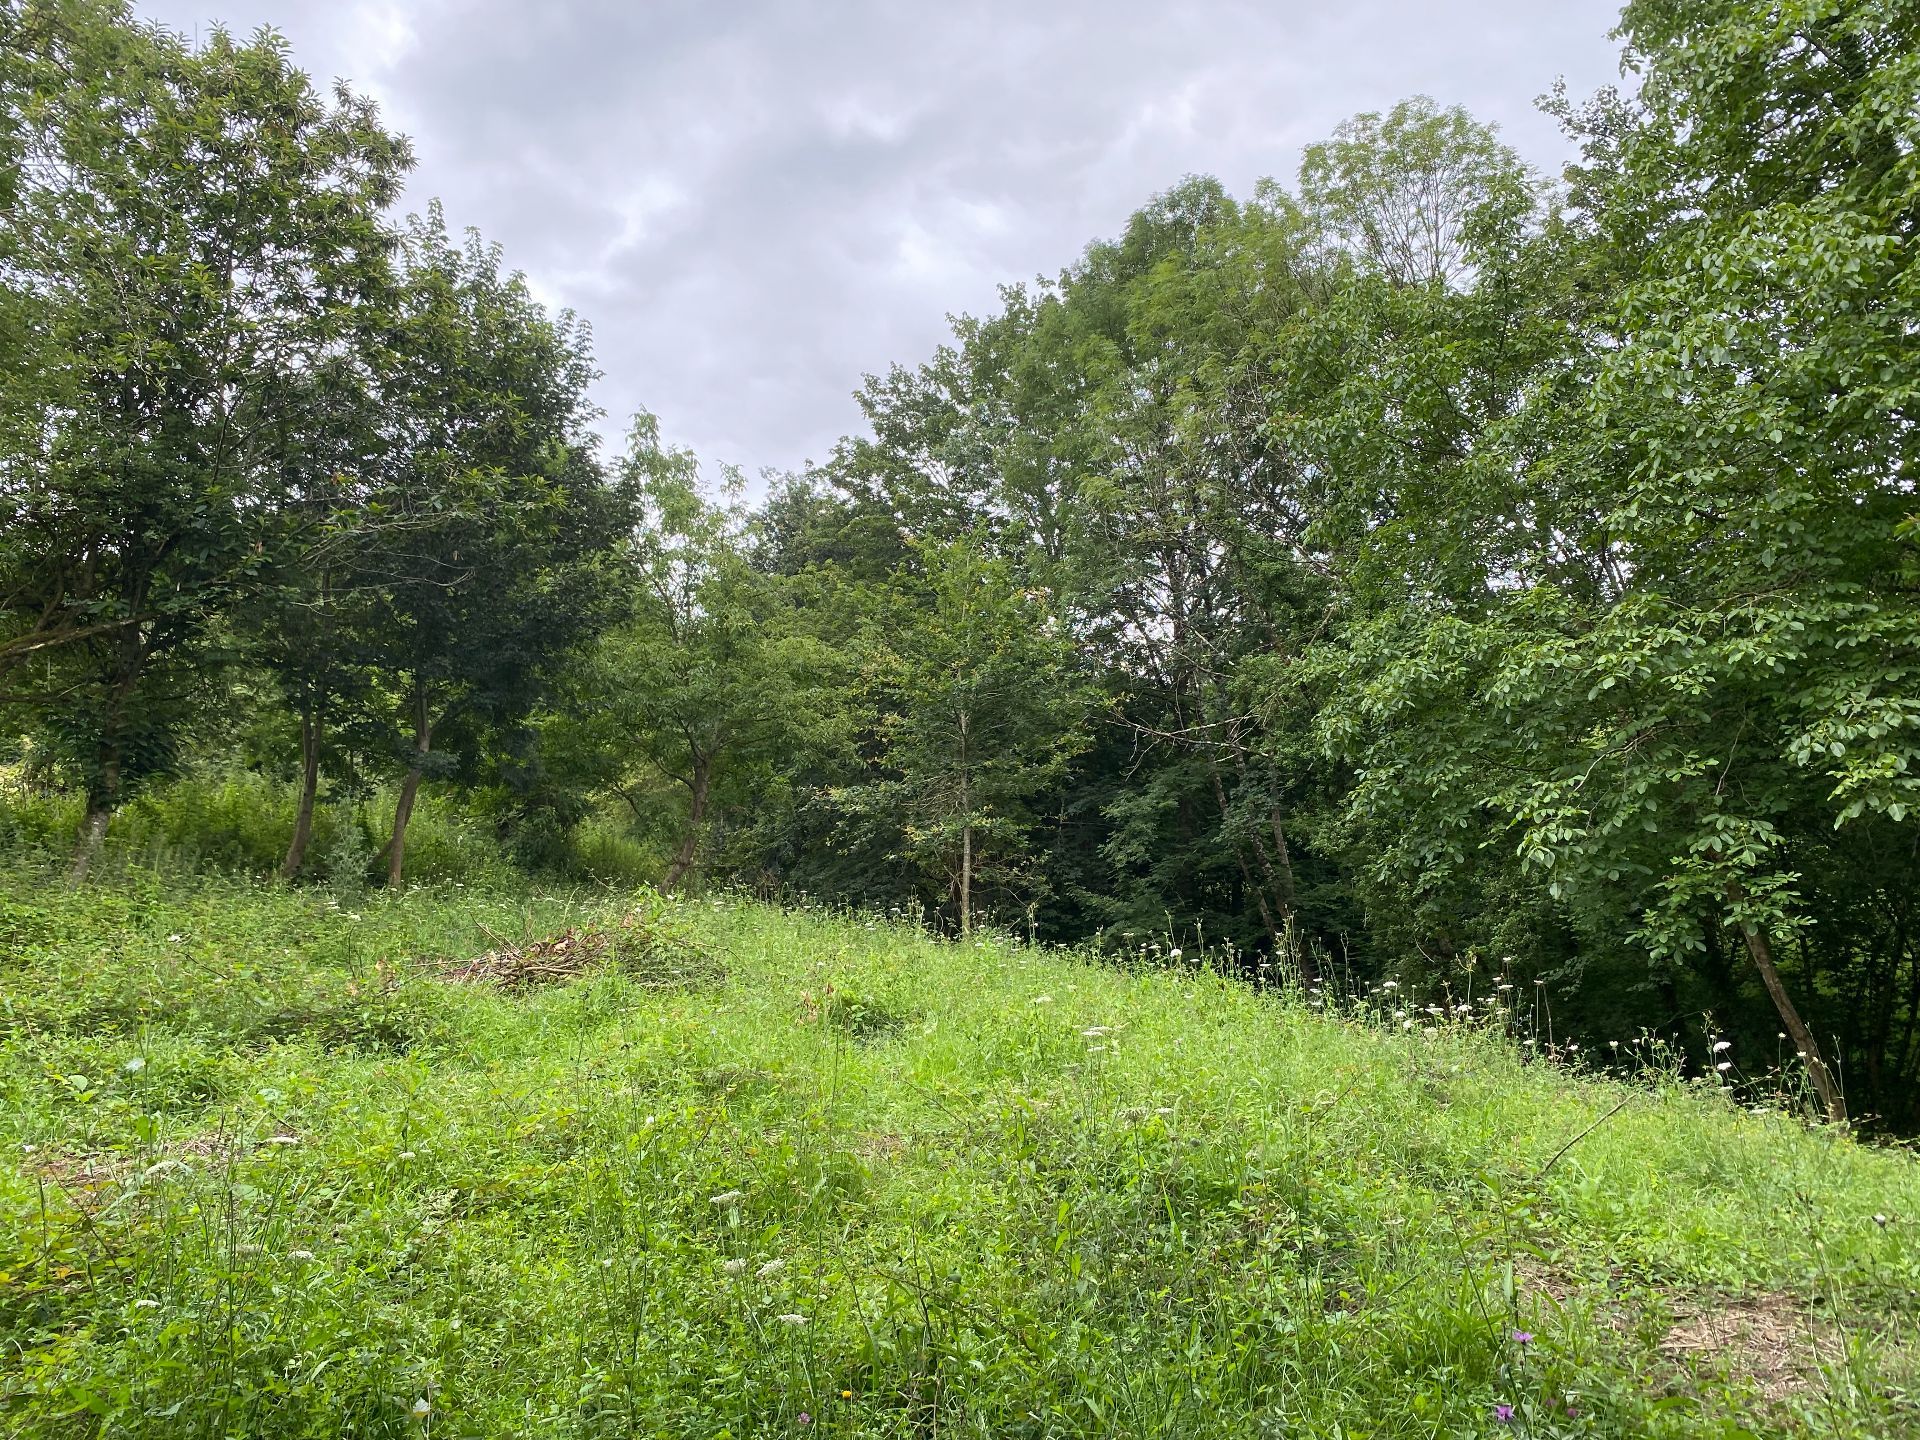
268,1174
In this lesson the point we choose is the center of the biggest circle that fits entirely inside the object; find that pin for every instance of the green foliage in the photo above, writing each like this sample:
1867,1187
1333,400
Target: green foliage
261,1168
189,234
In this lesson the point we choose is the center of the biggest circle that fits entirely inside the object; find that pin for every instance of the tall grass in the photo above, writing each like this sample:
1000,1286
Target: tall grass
269,1174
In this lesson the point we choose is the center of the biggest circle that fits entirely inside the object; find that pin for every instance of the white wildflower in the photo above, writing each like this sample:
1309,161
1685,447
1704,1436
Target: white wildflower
1041,1000
1720,1046
300,1254
134,1066
281,1140
1724,1066
1094,1032
791,1319
735,1266
771,1268
728,1197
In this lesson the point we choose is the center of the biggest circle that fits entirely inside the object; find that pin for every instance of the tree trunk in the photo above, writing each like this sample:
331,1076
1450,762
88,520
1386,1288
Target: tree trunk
1823,1081
966,881
309,788
409,789
103,790
102,796
696,816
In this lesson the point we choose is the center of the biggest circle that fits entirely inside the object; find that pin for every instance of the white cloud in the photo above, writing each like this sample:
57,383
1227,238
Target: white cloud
756,203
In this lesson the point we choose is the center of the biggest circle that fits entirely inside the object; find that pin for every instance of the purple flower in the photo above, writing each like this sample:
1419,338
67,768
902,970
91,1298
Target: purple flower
1503,1412
1525,1337
805,1418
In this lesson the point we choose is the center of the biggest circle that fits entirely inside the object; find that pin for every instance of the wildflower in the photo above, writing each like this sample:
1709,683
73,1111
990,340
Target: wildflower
805,1418
607,1263
1881,1221
175,939
1174,954
728,1197
1523,1337
300,1254
1389,984
792,1319
1041,1000
772,1267
406,1154
1724,1066
146,1304
1094,1032
1429,1031
735,1266
134,1066
281,1140
422,1407
846,1394
1503,1413
1720,1045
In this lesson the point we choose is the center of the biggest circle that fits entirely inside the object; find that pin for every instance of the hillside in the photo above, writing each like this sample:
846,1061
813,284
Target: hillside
277,1166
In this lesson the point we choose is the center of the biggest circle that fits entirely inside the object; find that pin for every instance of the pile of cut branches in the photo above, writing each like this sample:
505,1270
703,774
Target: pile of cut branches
649,951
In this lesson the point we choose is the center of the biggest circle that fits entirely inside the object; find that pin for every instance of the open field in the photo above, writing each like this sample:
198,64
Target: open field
283,1164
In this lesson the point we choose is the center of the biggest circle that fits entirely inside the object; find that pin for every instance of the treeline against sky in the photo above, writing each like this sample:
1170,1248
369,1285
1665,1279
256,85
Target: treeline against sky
1427,568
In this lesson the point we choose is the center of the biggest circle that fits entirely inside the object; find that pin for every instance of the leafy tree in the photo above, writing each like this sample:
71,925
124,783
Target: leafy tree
190,232
986,706
707,683
489,520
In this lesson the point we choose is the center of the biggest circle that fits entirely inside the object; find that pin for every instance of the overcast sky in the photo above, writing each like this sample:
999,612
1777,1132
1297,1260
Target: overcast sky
755,203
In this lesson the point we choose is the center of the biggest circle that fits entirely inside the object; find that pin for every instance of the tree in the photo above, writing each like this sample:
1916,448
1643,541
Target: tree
707,680
985,707
191,231
1685,686
489,526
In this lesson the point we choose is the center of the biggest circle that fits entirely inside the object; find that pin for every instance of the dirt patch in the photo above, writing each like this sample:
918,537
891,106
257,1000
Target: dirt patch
1767,1339
878,1145
648,952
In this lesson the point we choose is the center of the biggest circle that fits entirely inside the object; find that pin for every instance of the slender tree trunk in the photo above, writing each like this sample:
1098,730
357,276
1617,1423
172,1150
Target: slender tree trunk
966,881
103,790
1823,1081
696,819
309,788
103,795
409,789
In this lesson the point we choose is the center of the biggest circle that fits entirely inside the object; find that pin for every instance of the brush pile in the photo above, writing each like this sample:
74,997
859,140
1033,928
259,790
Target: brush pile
643,947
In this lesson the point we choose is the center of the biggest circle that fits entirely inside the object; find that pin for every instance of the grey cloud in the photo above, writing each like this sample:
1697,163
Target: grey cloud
756,203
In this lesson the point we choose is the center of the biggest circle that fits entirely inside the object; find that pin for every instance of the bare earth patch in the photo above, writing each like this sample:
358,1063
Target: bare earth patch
1768,1339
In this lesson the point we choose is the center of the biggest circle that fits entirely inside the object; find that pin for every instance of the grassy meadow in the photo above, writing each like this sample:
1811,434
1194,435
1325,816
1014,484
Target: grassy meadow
288,1163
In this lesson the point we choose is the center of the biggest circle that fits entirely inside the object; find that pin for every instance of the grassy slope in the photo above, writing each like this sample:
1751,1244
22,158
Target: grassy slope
1228,1217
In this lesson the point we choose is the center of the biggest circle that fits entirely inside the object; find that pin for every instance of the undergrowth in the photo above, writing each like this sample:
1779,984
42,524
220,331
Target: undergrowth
270,1171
